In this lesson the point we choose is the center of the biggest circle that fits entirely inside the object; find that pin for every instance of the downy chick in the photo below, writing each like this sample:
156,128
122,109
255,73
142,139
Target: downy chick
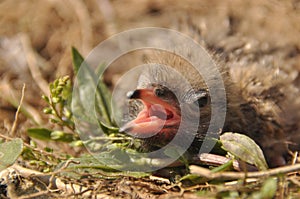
259,101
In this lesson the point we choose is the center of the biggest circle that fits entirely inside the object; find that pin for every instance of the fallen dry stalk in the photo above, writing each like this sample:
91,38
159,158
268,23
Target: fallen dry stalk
241,175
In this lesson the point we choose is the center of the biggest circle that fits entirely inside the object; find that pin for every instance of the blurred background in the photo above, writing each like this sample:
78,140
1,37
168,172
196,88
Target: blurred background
36,37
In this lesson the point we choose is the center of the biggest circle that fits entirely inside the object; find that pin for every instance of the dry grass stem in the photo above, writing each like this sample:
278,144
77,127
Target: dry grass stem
241,175
13,128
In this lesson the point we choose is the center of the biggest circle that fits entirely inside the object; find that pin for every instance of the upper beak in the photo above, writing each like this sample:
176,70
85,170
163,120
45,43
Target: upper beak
148,97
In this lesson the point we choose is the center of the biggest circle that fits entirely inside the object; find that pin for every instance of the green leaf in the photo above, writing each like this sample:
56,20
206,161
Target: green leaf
244,148
90,85
194,179
224,167
103,96
77,59
9,152
108,129
39,133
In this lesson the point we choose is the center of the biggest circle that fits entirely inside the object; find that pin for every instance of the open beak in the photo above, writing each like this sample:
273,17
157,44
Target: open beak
156,115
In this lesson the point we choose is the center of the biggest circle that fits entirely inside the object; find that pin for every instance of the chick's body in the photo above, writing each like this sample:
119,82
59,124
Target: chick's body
260,101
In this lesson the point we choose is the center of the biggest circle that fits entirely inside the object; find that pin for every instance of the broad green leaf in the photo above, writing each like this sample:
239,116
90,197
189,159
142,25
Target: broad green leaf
84,90
9,152
89,85
244,148
39,133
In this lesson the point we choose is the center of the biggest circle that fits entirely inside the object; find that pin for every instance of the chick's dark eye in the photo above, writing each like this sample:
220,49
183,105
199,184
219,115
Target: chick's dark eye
159,92
202,101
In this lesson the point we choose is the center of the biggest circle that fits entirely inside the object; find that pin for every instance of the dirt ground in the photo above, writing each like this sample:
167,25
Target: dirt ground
36,39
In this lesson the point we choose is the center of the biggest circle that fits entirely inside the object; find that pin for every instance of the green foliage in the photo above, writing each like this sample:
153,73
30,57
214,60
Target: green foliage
39,133
77,60
97,113
59,112
63,108
43,160
88,80
59,103
55,135
9,152
65,103
244,148
88,164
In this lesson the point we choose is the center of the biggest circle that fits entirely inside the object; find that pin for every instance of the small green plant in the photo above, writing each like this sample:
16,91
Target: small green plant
59,103
62,110
59,111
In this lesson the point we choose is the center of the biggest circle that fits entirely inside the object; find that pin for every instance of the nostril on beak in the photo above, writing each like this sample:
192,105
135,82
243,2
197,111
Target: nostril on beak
133,94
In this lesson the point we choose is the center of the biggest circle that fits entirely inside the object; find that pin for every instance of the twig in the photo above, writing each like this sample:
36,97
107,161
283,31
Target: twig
217,160
294,157
13,128
34,195
240,175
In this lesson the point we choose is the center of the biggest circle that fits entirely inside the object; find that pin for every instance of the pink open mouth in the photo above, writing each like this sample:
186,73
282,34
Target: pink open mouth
154,118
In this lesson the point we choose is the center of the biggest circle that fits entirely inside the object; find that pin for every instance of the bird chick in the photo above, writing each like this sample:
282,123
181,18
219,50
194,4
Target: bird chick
258,104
